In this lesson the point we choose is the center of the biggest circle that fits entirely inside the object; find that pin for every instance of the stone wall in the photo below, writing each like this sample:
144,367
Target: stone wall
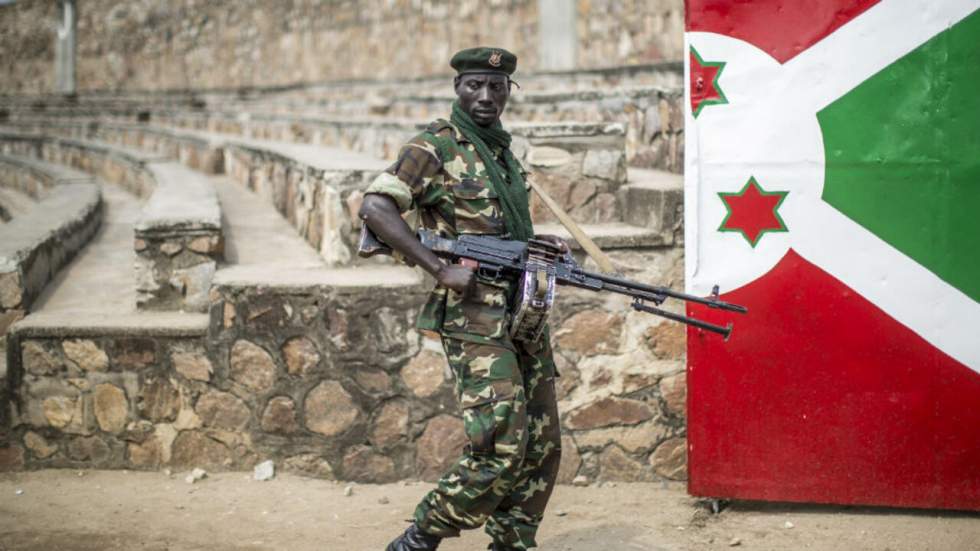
144,44
332,381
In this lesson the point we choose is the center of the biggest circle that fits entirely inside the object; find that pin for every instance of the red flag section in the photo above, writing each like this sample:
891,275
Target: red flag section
842,405
782,28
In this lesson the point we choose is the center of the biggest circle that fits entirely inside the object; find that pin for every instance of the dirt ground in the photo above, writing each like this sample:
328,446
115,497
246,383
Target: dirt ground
119,510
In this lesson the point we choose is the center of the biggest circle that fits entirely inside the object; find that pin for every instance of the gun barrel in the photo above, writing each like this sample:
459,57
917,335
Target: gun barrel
663,291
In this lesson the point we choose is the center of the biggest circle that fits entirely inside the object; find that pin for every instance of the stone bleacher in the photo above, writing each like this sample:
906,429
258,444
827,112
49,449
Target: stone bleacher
306,355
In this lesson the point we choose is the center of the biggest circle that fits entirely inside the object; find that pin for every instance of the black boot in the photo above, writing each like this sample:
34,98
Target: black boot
414,539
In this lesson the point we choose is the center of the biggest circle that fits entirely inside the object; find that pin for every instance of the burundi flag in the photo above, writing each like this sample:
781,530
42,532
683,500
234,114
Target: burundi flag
832,185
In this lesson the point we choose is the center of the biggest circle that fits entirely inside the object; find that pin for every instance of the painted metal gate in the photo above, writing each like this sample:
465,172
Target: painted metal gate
832,185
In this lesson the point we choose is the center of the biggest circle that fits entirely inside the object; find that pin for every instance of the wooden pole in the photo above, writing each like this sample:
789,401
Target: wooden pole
593,250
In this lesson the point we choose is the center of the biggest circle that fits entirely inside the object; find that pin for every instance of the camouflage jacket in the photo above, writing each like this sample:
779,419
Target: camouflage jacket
452,194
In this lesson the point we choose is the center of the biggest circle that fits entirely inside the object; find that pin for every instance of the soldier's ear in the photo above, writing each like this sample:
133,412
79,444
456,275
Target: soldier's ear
456,82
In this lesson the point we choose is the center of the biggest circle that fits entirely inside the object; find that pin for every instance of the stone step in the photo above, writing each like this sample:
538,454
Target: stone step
14,203
653,199
613,235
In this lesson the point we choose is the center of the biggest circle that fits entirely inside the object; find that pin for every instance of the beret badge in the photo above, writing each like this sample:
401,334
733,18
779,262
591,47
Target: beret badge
494,60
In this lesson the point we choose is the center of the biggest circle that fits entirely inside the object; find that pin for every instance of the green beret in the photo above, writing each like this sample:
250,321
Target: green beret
484,60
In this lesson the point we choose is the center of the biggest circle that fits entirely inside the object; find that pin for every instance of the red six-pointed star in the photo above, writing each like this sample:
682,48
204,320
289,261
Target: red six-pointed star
753,211
704,83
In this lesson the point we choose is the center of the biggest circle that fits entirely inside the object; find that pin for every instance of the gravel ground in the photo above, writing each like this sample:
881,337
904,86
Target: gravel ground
123,510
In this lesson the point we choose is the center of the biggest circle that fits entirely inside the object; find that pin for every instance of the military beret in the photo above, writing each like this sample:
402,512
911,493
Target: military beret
484,60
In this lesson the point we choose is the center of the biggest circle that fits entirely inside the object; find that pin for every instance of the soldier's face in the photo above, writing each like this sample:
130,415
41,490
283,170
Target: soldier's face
483,96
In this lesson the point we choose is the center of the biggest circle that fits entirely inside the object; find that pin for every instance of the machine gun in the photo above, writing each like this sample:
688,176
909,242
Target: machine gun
540,266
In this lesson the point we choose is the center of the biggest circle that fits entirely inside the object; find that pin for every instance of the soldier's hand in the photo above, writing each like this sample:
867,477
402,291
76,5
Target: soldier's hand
457,277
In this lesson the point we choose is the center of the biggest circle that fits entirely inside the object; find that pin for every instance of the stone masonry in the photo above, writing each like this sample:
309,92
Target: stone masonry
145,45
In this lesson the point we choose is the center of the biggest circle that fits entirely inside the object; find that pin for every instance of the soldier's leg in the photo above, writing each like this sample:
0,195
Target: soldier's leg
491,394
518,516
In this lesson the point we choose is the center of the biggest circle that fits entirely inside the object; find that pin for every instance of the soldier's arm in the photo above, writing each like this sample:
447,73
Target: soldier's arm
381,214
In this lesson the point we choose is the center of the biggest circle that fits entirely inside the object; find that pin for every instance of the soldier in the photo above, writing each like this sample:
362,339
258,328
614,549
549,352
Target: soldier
461,177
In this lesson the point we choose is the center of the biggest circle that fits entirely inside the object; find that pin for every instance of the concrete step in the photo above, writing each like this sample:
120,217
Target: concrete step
613,235
14,203
653,199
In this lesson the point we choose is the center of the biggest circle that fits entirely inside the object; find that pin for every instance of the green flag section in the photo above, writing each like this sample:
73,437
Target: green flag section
903,155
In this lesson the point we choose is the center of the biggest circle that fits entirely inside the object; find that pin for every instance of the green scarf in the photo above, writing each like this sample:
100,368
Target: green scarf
512,193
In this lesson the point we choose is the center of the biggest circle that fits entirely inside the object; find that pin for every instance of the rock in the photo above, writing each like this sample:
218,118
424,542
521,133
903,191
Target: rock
605,207
301,356
139,245
39,445
788,525
424,373
391,424
265,470
193,365
187,419
159,400
674,391
338,324
439,446
86,355
60,410
309,464
229,315
580,194
89,448
205,245
11,458
547,157
252,366
194,283
605,164
608,411
195,475
735,542
667,341
569,377
165,435
11,291
591,332
171,248
638,381
383,500
329,409
222,410
633,439
669,460
615,464
362,464
571,461
348,490
111,408
280,416
580,480
133,353
37,360
196,448
374,382
137,431
145,454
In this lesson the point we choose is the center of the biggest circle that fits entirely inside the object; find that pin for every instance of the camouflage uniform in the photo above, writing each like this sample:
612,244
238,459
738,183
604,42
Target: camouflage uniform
505,388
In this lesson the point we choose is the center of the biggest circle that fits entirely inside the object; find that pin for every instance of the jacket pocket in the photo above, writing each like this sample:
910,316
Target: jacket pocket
476,208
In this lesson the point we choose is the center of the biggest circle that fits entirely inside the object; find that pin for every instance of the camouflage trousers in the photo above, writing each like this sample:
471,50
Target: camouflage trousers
508,470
